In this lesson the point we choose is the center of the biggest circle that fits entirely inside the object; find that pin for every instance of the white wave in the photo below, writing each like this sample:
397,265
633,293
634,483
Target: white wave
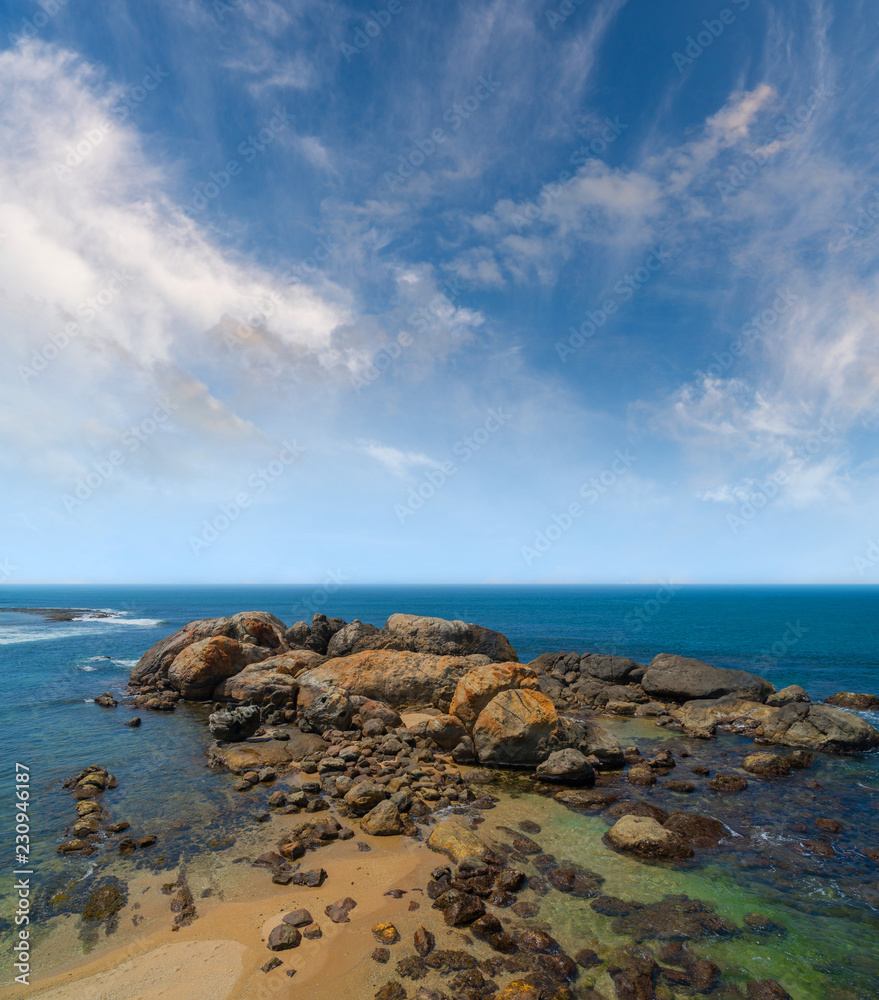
142,622
88,669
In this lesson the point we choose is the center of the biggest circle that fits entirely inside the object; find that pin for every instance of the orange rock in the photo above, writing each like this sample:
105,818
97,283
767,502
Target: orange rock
477,688
516,727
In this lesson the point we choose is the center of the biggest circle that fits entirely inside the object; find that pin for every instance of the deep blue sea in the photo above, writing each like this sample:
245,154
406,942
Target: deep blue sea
825,638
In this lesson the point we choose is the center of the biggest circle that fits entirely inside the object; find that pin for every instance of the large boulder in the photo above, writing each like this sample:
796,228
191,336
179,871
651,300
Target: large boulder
346,639
235,726
446,731
680,678
567,767
611,669
331,709
420,634
516,727
396,677
644,837
820,727
703,715
480,685
201,666
793,692
382,820
258,683
456,841
248,627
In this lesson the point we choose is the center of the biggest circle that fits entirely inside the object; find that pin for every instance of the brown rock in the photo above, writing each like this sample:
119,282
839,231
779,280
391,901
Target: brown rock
479,686
641,774
727,783
381,955
516,727
424,942
767,989
338,911
283,937
696,830
645,837
298,918
386,934
853,700
767,765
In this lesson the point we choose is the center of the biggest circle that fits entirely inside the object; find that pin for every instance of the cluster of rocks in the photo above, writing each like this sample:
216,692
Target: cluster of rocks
698,698
93,822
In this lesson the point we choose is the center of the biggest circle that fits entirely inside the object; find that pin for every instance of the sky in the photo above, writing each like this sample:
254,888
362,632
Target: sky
518,291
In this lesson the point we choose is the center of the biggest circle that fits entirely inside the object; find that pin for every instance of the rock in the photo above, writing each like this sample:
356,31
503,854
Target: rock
518,989
644,837
638,809
682,787
383,820
312,932
727,783
424,942
386,934
118,827
767,989
704,975
265,631
460,908
200,667
444,638
347,638
133,723
338,911
298,918
456,841
696,830
829,825
395,677
331,709
681,678
446,731
699,718
260,683
593,800
284,937
147,841
762,925
235,726
641,774
793,692
479,686
390,991
568,767
365,795
271,965
516,727
767,765
371,711
853,700
74,846
244,757
611,669
381,955
106,700
465,752
103,903
820,727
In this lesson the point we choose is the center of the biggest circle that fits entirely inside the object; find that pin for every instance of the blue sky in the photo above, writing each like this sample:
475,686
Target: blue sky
515,291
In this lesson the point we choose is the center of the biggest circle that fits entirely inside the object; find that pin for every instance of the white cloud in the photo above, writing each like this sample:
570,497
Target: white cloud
397,462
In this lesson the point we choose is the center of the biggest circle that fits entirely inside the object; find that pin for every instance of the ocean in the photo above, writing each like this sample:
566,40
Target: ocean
824,638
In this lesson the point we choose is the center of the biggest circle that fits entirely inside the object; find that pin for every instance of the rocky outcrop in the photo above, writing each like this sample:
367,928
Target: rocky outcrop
680,678
248,627
479,686
516,727
820,727
701,717
855,701
331,709
793,692
440,637
201,666
345,641
398,678
260,683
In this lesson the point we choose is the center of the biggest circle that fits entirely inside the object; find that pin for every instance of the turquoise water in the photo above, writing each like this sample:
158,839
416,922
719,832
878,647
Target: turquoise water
825,638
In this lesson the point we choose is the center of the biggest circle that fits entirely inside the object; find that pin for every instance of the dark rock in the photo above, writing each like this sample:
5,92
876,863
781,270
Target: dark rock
106,700
698,831
576,881
704,975
298,918
338,911
567,767
680,678
381,955
103,903
272,963
235,725
638,808
682,787
727,783
133,723
390,991
537,941
424,941
767,989
313,879
284,937
853,700
460,908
